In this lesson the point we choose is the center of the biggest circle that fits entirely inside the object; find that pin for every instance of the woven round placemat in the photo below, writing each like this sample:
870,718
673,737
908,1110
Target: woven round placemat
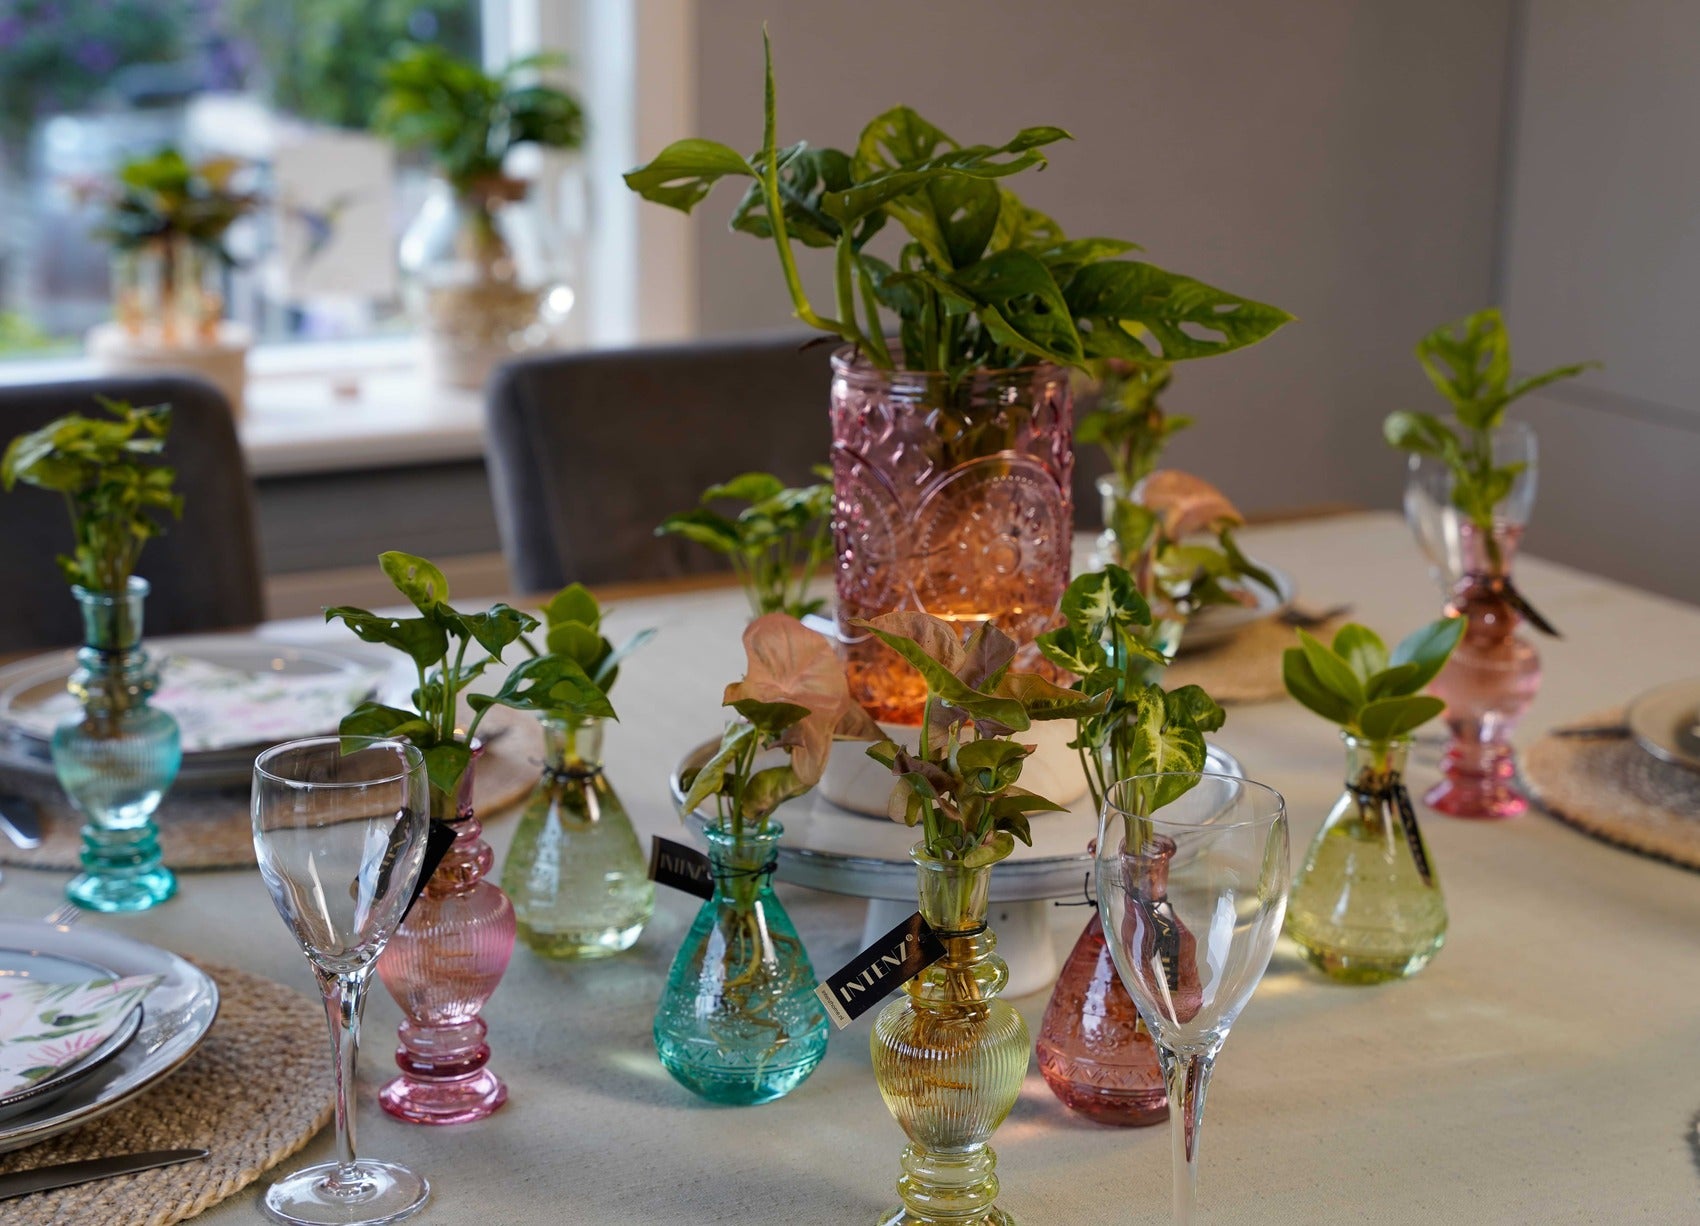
1244,668
1616,791
255,1091
212,830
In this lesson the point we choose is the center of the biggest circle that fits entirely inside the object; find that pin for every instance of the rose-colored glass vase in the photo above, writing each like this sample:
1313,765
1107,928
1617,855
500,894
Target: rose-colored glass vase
441,966
1094,1052
950,498
1488,683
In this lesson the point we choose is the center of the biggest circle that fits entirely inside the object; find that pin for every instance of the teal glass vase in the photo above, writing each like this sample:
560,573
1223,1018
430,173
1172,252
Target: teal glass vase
739,1022
117,757
575,870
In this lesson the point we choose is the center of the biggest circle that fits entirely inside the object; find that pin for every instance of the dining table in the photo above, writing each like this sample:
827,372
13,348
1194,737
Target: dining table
1544,1068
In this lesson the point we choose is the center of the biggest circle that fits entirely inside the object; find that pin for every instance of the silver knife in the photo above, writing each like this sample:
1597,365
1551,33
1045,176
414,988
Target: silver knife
18,821
64,1174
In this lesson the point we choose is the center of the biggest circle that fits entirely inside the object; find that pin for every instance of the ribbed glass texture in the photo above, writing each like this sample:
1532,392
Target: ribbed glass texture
738,1021
575,871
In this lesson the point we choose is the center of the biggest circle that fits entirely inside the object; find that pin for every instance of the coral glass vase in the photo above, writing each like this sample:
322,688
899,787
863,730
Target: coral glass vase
1094,1051
116,757
949,1057
739,1022
442,965
1488,683
950,497
575,871
1367,907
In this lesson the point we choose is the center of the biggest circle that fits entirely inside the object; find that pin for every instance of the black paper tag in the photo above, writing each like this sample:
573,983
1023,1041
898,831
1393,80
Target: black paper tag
1413,836
1528,611
1168,939
879,970
438,839
682,867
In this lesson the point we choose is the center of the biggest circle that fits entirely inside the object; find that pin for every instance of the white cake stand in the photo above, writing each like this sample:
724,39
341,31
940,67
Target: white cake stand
841,852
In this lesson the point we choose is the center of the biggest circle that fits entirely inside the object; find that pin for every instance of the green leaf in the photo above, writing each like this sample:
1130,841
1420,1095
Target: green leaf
1045,700
1186,317
1394,682
769,788
746,487
686,171
710,779
1303,684
980,161
548,684
1333,672
445,763
1072,652
498,627
1362,650
1387,718
1188,706
945,685
573,603
705,528
1428,649
1021,305
375,719
996,848
1096,602
578,642
989,766
1423,433
770,718
418,580
422,639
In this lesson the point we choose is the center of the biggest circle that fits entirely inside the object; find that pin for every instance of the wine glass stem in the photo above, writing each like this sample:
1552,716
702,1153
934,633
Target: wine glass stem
344,997
1188,1077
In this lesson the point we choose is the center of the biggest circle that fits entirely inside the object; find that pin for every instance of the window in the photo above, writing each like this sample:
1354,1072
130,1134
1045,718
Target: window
85,84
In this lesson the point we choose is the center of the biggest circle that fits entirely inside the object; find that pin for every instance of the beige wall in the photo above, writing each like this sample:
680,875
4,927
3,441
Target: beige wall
1340,159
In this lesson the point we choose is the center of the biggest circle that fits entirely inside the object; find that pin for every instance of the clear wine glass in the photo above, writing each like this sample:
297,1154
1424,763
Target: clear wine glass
340,831
1438,525
1191,900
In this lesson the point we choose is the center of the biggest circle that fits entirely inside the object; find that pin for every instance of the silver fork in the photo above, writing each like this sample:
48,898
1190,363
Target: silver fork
64,915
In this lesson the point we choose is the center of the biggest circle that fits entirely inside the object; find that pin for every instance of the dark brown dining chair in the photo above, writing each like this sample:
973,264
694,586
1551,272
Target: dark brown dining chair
205,570
588,451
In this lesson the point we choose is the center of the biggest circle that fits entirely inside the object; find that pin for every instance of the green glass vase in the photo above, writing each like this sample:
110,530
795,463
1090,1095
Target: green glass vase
1367,906
950,1057
117,757
575,871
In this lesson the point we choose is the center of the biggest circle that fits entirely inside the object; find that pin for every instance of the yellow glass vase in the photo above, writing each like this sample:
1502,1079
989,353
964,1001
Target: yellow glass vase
950,1057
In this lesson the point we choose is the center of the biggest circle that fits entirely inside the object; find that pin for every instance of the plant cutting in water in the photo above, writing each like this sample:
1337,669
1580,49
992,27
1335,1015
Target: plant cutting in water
572,623
1127,421
981,280
1157,531
1140,729
1469,363
1372,694
112,481
438,641
960,786
775,543
164,196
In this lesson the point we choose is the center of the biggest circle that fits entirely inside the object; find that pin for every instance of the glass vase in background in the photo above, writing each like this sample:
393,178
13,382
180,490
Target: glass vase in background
1365,908
575,871
739,1022
1495,673
950,498
1094,1050
167,293
485,278
950,1056
442,965
117,757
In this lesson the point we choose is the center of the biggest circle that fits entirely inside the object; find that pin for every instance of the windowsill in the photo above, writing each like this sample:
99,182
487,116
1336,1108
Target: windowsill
331,407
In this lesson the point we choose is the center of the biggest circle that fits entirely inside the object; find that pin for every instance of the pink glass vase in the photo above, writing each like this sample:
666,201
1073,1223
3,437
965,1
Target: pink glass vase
1487,685
441,966
950,498
1095,1053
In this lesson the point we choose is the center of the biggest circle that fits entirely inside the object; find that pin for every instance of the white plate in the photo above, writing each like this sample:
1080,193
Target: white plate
41,679
177,1016
828,848
51,968
1666,721
1219,622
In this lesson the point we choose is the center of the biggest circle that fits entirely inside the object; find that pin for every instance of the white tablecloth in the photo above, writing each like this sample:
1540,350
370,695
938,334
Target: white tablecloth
1545,1068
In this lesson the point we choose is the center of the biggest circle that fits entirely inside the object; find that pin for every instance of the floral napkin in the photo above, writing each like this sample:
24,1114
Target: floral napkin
45,1028
217,707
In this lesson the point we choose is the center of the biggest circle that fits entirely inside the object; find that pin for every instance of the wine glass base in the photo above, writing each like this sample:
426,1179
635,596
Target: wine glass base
458,1101
903,1217
367,1193
1476,800
129,891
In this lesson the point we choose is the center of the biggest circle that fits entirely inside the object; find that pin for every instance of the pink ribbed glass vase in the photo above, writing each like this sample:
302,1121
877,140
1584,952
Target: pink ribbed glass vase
1488,683
441,966
952,498
1094,1052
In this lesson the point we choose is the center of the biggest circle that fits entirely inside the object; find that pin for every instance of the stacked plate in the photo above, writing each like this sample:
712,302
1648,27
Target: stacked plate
1666,722
155,1038
232,696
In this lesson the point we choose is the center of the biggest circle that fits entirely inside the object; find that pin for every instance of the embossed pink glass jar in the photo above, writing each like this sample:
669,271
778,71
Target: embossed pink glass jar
952,499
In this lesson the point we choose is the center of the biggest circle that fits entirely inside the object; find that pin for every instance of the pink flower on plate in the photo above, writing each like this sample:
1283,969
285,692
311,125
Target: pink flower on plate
790,663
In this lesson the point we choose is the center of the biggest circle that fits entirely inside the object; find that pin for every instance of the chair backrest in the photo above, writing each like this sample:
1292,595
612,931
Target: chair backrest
589,451
205,570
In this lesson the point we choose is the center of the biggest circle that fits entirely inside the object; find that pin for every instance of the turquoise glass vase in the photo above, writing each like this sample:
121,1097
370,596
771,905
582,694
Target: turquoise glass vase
575,870
738,1022
117,757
